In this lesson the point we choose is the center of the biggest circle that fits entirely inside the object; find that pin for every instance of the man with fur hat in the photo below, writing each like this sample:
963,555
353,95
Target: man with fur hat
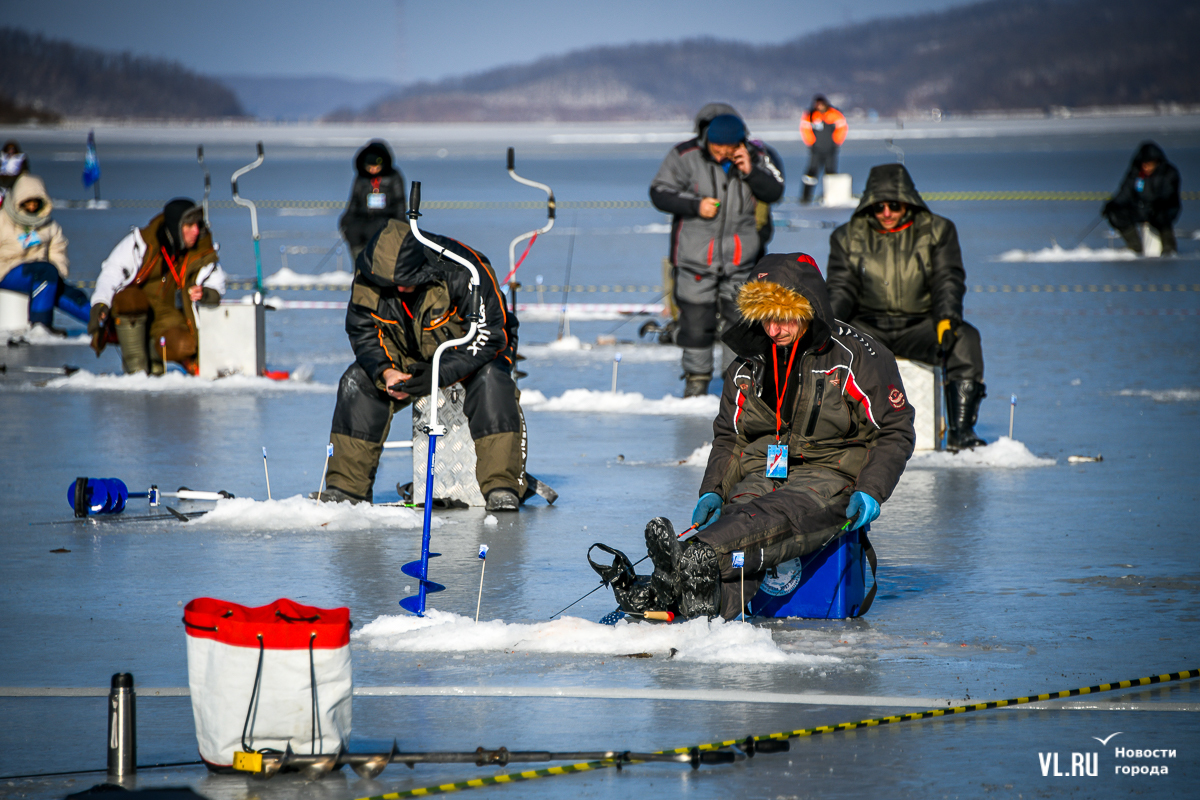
147,286
814,428
896,272
718,187
376,196
33,255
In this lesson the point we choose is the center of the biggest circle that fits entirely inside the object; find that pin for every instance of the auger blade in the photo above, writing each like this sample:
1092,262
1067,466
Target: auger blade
413,568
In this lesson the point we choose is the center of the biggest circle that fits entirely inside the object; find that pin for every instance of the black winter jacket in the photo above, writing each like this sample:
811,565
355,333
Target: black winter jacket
1158,199
374,199
389,329
914,270
850,415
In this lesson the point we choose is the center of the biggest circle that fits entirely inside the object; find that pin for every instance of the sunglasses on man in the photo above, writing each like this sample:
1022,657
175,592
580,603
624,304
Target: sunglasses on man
894,206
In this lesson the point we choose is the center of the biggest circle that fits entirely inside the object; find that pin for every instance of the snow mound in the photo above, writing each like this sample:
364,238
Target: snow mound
1164,395
568,343
287,277
698,640
699,456
40,336
1056,253
589,401
300,513
1004,453
177,383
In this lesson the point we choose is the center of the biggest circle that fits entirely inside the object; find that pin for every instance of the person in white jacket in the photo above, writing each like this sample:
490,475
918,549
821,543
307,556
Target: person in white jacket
33,255
147,288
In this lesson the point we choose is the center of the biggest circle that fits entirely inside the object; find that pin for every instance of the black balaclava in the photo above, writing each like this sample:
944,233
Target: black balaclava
177,213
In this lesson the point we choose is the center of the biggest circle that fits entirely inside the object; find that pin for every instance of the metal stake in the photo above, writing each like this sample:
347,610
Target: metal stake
122,727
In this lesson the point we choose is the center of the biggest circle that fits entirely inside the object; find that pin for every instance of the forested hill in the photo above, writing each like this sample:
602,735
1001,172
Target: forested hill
65,79
1001,54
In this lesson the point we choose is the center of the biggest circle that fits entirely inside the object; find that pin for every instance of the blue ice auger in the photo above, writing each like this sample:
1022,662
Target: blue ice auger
97,496
420,569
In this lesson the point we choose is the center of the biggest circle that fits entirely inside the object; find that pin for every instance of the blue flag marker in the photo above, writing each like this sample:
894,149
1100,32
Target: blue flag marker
739,559
483,548
91,163
329,451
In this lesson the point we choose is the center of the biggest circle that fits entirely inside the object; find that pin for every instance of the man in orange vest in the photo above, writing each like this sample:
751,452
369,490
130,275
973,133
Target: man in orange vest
823,129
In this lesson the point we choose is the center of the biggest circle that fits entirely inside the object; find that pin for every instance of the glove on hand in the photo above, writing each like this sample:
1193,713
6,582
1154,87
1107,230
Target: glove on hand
864,507
947,332
99,316
421,382
708,510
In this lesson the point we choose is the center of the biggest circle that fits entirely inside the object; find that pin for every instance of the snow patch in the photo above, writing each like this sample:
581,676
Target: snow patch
490,521
589,401
697,640
568,343
699,456
1164,395
300,513
287,277
39,335
630,353
1056,253
177,383
1004,453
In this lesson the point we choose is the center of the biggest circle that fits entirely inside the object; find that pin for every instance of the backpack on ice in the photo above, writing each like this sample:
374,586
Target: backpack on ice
263,678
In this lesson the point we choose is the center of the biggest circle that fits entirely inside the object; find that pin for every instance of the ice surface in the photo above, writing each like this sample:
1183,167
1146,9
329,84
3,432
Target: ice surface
1164,395
630,353
698,640
177,383
300,513
287,277
1056,253
581,312
1004,453
589,401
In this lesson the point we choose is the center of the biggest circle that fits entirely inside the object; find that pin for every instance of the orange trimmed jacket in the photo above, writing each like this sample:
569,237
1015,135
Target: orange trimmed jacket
828,127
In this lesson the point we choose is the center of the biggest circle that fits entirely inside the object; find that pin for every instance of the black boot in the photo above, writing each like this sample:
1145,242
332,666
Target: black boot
699,581
1169,246
806,196
1133,239
665,551
962,410
696,385
632,591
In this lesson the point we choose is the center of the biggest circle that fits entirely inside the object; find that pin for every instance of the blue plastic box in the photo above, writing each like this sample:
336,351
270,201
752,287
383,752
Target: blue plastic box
828,584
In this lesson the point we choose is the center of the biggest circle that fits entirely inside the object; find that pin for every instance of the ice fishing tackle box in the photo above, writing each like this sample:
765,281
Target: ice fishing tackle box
828,584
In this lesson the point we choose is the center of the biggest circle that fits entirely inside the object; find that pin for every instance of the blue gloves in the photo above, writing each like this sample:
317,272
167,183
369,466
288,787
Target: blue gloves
708,510
861,505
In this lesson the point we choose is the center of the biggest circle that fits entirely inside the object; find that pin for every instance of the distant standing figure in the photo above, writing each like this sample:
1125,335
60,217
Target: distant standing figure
823,129
713,186
13,164
1148,193
33,255
376,196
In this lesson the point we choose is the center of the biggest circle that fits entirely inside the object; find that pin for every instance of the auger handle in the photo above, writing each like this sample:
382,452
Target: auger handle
414,200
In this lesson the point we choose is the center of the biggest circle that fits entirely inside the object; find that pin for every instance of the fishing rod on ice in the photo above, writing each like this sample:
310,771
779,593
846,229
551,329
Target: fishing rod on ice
551,208
420,569
65,369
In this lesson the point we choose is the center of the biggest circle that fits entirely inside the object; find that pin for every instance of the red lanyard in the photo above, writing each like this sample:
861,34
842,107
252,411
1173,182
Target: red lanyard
178,276
781,391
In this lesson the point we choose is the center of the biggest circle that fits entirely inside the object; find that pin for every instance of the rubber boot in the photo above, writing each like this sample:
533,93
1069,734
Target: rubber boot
1133,239
962,410
132,332
633,592
665,552
696,385
810,183
1169,246
699,581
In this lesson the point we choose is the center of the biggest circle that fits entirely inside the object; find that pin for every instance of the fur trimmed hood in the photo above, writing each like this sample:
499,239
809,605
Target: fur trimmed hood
781,286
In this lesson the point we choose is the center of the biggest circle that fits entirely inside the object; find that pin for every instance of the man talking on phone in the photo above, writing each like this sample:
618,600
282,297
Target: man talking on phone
718,187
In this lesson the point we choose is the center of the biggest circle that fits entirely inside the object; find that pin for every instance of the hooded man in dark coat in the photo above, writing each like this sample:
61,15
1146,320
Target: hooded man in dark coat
1149,193
376,196
896,272
813,428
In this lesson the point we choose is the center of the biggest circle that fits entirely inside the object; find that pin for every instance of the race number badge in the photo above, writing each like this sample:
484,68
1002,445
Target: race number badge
777,460
377,200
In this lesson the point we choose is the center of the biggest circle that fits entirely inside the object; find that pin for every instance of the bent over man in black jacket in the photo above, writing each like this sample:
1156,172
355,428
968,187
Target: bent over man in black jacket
813,428
896,272
1148,193
405,301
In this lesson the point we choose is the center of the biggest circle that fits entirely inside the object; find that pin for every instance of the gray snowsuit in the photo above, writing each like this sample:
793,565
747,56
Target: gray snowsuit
846,421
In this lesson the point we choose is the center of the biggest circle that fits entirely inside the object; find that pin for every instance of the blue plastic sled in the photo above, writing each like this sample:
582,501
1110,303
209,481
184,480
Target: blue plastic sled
828,584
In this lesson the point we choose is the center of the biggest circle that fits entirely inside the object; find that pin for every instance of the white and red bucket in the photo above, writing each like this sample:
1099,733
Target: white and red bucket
267,678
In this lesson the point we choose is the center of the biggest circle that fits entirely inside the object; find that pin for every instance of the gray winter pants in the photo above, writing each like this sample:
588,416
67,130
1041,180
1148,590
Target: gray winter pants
707,307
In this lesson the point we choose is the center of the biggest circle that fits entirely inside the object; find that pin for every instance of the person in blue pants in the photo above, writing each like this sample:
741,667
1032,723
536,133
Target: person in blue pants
33,255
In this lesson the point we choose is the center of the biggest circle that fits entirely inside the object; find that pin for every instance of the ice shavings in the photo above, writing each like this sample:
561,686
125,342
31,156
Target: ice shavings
300,513
39,335
566,343
699,456
288,277
1056,253
1004,453
177,383
589,401
1164,395
698,640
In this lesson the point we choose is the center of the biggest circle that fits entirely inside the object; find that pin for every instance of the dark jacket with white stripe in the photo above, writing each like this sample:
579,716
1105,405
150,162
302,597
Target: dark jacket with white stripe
850,415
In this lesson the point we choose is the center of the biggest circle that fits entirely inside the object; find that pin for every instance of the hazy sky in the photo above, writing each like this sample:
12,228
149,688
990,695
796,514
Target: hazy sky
405,40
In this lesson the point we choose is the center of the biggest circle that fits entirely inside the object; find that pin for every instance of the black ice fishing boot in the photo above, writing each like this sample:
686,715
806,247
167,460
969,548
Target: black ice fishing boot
962,410
699,581
1169,245
665,551
696,385
1133,239
632,591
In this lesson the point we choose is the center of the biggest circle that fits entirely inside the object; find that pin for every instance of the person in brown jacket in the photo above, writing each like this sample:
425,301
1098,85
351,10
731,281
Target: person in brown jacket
147,287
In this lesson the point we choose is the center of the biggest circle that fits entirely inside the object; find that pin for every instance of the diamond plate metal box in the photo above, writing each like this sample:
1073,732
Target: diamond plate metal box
923,385
454,462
